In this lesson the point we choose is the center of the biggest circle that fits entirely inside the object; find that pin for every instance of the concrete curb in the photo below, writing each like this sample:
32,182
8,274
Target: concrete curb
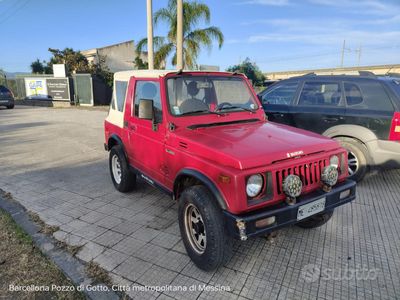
72,267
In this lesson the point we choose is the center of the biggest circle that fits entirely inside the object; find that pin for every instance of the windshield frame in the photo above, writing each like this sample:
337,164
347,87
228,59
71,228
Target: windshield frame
211,75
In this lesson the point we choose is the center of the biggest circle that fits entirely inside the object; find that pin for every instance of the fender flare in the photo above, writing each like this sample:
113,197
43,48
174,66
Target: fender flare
204,180
118,141
360,133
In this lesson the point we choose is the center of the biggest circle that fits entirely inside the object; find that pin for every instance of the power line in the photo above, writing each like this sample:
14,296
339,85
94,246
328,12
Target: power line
15,11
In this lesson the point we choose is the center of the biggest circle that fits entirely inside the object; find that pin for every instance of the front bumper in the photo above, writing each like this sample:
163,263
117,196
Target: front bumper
6,102
285,214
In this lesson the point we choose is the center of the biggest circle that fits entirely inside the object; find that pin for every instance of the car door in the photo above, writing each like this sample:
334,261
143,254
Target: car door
319,106
147,142
368,104
277,100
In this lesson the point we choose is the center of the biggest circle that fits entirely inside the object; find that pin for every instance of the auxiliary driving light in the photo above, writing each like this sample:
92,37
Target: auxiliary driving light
334,161
292,186
329,175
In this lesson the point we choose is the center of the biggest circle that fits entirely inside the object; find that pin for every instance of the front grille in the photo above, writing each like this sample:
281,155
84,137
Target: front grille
309,173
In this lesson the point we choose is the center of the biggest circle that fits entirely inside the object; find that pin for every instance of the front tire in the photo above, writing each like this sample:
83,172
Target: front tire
357,158
202,229
316,221
123,179
10,106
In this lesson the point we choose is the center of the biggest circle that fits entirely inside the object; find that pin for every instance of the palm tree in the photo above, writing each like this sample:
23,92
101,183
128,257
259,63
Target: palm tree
193,38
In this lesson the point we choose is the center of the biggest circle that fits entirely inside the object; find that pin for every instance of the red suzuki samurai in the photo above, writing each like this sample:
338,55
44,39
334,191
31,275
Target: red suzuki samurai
203,138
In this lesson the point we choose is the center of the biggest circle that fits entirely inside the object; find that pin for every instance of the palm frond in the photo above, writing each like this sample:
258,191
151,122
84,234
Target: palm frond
160,56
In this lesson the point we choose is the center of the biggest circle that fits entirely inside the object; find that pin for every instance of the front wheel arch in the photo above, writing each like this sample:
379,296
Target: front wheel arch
190,177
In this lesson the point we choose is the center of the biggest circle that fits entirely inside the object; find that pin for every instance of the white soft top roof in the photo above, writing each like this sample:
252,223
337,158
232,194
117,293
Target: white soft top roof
126,75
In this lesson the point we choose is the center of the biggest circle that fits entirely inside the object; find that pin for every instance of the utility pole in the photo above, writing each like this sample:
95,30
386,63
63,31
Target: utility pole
179,35
344,47
150,51
359,55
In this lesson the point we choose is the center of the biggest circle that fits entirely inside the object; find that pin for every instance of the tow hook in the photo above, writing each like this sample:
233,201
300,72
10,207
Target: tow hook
241,225
290,200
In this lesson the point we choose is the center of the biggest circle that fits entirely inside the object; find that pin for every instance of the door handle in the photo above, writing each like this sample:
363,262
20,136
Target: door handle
276,114
331,120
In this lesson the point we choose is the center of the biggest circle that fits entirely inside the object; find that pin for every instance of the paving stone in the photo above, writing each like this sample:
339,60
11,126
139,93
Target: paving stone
110,259
145,234
231,278
67,183
150,253
141,292
129,245
185,288
126,227
109,222
109,238
90,251
174,261
93,217
166,240
132,268
157,276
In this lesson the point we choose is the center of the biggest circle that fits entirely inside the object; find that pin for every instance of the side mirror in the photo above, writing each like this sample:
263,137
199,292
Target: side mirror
146,110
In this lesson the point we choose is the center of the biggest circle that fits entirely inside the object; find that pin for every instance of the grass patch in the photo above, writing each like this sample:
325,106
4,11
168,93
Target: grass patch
22,264
73,250
44,228
98,274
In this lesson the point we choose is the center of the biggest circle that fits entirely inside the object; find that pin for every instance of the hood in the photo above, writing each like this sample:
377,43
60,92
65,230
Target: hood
251,145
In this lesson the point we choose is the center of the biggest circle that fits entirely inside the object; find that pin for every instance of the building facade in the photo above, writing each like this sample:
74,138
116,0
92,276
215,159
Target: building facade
118,57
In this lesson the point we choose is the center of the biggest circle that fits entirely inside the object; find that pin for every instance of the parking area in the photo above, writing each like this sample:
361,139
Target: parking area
53,162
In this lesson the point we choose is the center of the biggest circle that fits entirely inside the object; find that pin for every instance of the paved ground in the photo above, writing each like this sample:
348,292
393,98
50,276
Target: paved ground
52,161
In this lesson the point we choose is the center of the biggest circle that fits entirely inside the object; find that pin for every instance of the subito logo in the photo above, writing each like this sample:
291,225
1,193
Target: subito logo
310,273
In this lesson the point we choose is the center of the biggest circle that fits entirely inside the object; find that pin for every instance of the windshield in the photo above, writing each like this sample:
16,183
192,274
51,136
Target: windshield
208,94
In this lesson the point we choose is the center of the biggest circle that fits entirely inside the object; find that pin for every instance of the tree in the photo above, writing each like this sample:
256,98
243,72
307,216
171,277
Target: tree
74,61
102,71
193,39
251,70
38,67
140,64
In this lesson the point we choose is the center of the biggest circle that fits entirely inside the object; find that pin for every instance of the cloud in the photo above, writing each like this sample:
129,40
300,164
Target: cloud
267,2
375,7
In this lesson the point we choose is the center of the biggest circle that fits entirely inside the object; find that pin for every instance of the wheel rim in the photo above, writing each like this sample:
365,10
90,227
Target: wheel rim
352,163
116,169
195,229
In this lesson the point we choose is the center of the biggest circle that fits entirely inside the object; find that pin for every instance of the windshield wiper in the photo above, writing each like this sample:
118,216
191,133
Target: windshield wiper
234,107
202,111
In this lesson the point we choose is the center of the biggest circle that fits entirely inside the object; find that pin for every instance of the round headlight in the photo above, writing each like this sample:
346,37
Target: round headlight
334,161
330,175
254,185
292,186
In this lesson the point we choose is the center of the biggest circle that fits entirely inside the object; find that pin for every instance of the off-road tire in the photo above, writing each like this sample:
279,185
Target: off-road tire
361,154
128,178
316,221
218,248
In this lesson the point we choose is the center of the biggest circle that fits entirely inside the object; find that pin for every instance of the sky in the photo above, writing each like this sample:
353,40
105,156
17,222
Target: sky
277,35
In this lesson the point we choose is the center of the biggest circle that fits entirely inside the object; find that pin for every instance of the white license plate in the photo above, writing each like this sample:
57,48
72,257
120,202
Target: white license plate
310,209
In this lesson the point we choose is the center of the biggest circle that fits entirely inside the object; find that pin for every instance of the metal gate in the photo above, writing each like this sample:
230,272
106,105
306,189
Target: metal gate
83,89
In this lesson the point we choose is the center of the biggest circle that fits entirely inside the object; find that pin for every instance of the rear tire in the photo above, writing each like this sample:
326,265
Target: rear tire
357,158
202,229
123,179
316,221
